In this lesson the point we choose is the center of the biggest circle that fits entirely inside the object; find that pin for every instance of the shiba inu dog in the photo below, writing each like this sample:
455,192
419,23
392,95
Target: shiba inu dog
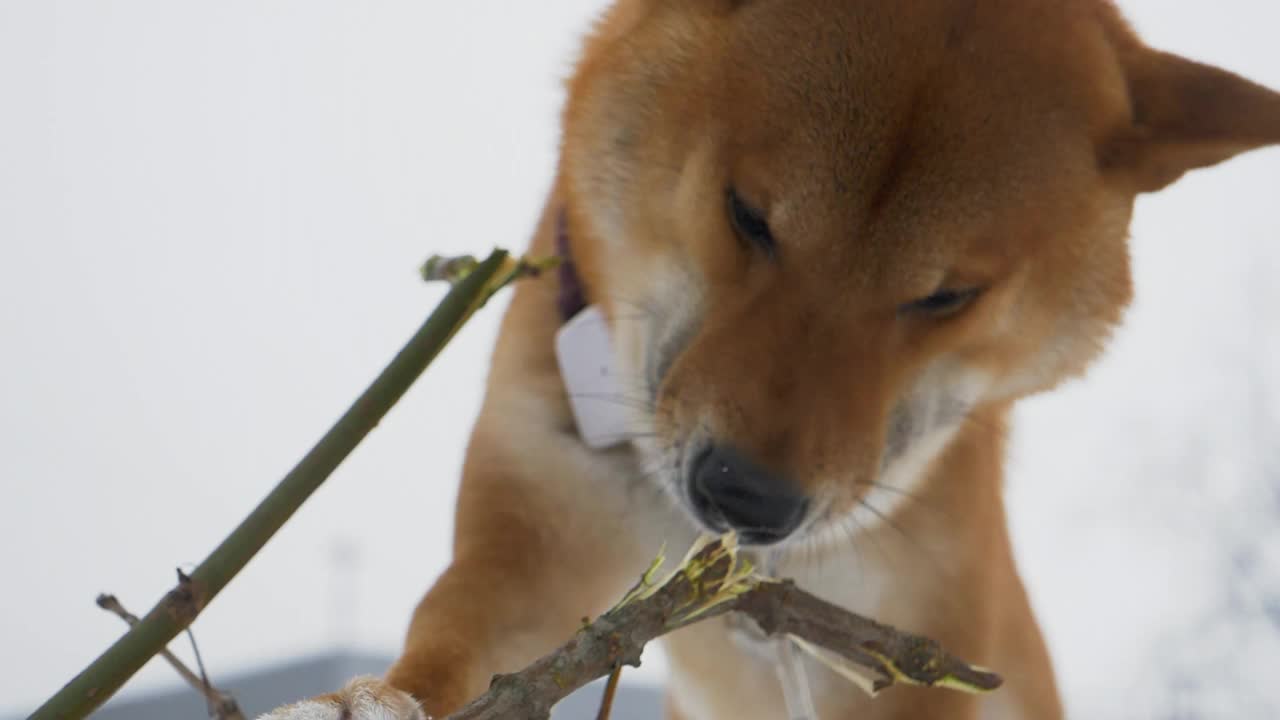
832,241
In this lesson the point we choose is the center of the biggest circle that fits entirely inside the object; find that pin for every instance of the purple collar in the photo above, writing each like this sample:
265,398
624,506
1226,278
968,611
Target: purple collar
571,298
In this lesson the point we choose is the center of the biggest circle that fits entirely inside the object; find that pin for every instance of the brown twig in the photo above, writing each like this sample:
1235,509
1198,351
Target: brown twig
610,691
222,706
714,583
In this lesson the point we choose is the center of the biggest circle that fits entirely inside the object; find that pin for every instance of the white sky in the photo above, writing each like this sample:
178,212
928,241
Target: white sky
211,215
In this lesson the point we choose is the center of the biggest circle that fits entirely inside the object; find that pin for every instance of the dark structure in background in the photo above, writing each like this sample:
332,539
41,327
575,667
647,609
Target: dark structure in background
262,690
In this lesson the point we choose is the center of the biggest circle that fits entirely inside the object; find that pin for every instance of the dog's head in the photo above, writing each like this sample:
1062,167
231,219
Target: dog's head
827,231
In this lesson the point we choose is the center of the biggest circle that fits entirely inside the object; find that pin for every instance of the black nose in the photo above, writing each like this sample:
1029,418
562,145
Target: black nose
730,491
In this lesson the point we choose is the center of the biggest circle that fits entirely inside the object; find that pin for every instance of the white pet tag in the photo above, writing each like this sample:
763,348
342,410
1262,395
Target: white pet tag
584,351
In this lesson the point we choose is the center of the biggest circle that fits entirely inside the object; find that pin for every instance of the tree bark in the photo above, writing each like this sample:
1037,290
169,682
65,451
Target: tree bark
714,582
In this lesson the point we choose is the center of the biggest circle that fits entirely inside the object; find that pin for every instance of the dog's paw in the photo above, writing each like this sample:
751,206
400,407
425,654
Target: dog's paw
364,698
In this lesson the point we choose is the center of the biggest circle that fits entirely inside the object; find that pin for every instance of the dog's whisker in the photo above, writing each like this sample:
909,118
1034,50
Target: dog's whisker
915,498
888,520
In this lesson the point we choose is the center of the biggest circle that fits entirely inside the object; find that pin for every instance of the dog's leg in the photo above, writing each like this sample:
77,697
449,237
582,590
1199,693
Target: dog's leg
546,535
362,699
530,564
519,587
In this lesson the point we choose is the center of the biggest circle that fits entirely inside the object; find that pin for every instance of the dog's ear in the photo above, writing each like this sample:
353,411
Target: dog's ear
1186,116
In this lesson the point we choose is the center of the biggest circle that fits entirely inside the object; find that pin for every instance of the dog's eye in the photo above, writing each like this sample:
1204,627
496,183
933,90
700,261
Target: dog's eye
948,301
750,224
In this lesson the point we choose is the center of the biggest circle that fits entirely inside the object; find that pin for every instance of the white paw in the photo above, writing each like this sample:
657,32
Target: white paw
362,699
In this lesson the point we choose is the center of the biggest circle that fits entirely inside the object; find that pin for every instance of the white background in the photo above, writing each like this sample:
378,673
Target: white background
211,215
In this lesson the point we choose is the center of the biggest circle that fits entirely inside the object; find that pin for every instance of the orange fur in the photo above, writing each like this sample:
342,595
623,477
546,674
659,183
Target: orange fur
895,148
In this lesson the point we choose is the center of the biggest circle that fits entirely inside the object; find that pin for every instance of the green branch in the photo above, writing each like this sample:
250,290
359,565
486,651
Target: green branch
98,682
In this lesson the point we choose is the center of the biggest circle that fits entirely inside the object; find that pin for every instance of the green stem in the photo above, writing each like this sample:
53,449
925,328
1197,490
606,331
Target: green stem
98,682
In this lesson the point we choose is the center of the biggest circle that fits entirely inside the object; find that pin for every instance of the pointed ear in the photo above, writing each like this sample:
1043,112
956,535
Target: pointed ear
1186,116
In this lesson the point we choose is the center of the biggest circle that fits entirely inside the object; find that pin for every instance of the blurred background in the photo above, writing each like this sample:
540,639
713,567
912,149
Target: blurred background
211,218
